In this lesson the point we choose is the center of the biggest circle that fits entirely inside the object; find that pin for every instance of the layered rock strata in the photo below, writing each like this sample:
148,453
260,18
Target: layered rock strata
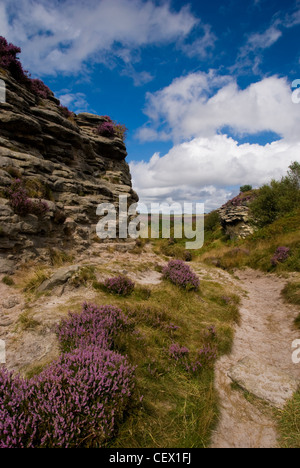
59,159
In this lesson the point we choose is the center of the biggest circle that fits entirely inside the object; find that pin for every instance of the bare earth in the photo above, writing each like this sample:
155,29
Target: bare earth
264,337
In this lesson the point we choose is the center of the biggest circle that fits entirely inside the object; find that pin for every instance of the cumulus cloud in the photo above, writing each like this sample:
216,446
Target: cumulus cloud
77,102
209,170
60,36
198,112
202,104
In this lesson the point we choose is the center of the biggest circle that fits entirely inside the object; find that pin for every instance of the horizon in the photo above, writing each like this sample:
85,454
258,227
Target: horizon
206,90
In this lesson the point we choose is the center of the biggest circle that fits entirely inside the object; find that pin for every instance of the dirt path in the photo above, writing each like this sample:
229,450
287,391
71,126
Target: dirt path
265,336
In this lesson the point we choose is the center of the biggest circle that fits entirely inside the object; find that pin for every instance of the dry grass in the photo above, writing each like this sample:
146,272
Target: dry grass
178,409
289,423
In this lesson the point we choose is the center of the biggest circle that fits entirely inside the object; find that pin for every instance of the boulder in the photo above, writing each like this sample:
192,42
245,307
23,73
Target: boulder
60,277
264,381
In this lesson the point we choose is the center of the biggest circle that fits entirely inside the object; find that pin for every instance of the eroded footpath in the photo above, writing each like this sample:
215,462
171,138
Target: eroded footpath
260,362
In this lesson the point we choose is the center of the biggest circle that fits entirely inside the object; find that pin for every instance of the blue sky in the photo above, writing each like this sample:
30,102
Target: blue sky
204,87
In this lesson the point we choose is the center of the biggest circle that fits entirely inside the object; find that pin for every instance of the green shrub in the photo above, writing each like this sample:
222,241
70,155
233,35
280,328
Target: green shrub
212,221
291,294
278,198
246,188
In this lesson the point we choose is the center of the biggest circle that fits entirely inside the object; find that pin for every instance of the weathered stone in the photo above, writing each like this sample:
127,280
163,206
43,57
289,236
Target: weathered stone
236,221
264,381
60,277
10,303
69,164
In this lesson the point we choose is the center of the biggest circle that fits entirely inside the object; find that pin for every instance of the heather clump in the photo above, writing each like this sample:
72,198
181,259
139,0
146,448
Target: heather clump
179,273
204,357
66,112
111,129
106,129
80,398
98,326
178,353
10,61
280,256
17,422
39,88
77,401
243,199
21,204
120,285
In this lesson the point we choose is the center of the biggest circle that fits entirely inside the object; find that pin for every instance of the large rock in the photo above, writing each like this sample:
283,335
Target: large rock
60,277
264,381
235,217
61,159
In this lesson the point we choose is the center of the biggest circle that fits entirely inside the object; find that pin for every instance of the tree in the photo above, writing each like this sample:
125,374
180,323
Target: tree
245,188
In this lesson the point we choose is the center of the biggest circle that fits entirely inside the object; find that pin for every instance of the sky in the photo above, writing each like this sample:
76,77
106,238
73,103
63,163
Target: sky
207,89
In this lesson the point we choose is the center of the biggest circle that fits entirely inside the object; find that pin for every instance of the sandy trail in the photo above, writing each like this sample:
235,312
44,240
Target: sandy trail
265,334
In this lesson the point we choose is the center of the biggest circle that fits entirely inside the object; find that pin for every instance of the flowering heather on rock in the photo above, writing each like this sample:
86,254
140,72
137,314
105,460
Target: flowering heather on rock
20,202
66,112
106,129
111,129
77,401
120,285
10,61
180,274
280,256
40,89
98,326
240,200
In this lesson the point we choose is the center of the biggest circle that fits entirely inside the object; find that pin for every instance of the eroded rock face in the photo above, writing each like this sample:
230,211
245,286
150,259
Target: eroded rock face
65,163
235,216
264,381
236,221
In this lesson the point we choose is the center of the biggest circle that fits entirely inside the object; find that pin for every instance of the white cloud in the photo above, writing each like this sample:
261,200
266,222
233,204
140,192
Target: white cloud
260,41
205,164
204,169
202,104
60,36
201,46
76,102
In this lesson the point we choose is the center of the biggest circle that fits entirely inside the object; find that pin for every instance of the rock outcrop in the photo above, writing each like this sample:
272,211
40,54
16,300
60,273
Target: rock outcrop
60,160
235,217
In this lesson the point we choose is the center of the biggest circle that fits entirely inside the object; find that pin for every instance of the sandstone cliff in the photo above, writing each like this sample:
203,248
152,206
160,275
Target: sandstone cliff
60,159
235,216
